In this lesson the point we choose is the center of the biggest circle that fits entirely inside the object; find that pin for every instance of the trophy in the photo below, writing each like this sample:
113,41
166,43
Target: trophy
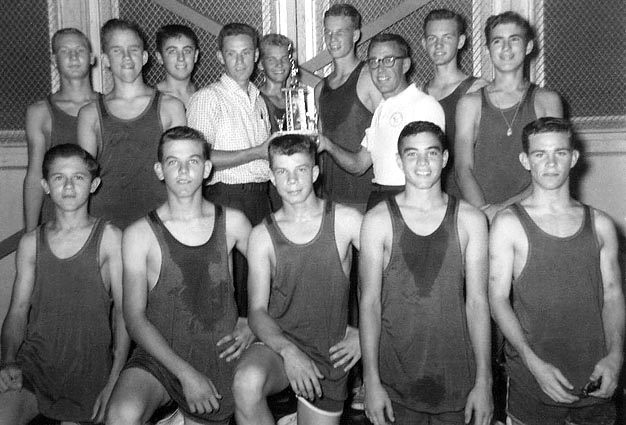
300,115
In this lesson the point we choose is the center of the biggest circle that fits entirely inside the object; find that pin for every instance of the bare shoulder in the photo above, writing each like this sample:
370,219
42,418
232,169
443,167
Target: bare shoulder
604,226
38,109
170,101
377,218
138,235
548,103
470,100
259,239
111,236
235,218
477,85
28,244
345,213
88,112
506,223
471,218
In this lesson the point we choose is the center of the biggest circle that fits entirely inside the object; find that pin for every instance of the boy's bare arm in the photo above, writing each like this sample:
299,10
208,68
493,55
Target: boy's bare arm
467,121
473,232
376,233
301,371
613,309
506,233
355,163
14,326
548,104
237,233
88,128
367,92
172,112
38,126
111,248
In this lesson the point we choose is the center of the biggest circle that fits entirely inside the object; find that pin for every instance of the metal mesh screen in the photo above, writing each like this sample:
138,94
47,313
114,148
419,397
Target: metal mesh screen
585,56
25,68
411,29
150,17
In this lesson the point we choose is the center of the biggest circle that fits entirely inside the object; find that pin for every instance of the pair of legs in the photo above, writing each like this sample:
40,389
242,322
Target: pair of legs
261,373
137,395
19,407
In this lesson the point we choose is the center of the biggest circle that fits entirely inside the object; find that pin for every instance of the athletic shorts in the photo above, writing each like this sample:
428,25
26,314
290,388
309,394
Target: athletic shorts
523,409
406,416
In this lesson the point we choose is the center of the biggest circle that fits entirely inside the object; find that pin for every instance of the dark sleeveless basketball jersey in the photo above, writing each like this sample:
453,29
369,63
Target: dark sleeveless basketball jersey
309,297
63,130
426,360
496,155
66,356
344,120
277,115
448,104
129,188
558,300
192,306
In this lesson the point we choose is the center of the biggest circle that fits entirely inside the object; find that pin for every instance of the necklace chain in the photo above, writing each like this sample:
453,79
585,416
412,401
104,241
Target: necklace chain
509,131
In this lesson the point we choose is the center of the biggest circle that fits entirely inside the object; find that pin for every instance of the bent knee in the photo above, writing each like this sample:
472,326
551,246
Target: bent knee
124,412
249,382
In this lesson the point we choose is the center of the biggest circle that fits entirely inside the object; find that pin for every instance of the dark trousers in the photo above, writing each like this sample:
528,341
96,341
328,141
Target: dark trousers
253,200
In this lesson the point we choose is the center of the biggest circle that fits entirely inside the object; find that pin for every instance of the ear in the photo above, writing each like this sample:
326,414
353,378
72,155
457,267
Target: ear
95,183
423,43
144,57
272,177
406,65
316,172
529,47
196,55
523,158
399,161
46,187
256,55
208,166
220,57
445,155
53,59
92,59
461,42
575,156
356,36
158,170
159,57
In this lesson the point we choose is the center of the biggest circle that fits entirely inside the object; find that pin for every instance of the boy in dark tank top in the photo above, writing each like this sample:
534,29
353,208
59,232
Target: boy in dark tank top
64,341
557,257
424,313
300,259
179,295
52,121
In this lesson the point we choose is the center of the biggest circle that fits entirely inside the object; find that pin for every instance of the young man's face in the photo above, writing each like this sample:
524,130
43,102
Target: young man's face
421,159
69,183
125,55
293,176
389,80
178,57
72,58
442,41
275,63
183,167
508,47
340,36
238,56
550,158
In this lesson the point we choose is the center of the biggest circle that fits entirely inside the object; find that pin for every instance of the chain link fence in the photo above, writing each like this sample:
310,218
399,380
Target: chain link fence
585,59
25,64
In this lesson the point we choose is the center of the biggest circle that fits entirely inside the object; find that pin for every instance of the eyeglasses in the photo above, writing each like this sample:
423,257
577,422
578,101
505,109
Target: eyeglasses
387,61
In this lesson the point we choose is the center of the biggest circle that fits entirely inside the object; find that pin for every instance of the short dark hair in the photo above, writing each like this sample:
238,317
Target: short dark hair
167,32
347,11
546,125
69,150
119,25
508,17
401,43
274,39
444,15
183,132
236,28
290,144
68,31
417,127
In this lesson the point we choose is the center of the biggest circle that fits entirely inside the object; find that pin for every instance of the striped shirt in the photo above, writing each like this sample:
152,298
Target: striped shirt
232,120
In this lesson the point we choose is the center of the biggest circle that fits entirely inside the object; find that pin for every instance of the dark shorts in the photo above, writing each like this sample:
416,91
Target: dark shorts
406,416
523,409
142,360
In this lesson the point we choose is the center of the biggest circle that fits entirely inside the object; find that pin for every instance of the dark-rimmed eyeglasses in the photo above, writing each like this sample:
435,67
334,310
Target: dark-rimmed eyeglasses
387,61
